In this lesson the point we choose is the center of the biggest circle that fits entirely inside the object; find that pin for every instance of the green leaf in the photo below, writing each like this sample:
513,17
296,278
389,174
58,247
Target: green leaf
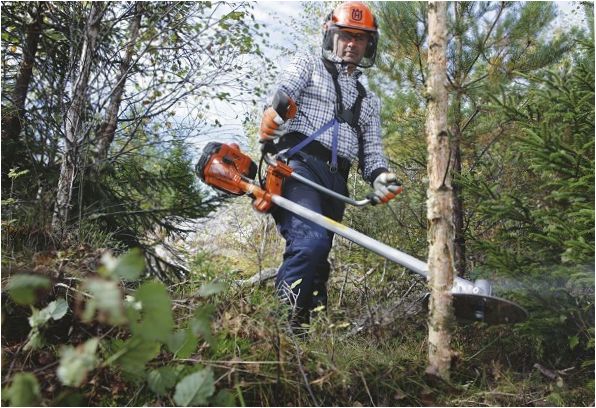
201,322
182,343
22,287
211,288
156,314
134,353
24,391
54,310
69,398
75,363
34,340
161,379
57,309
176,340
573,342
194,389
107,299
128,266
224,398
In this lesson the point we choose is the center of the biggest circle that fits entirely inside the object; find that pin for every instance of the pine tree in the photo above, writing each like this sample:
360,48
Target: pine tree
440,198
542,225
491,44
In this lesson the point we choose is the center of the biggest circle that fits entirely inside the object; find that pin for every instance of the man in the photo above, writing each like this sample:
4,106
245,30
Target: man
322,138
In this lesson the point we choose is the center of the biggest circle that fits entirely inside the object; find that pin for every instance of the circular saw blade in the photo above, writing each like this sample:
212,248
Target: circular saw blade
488,309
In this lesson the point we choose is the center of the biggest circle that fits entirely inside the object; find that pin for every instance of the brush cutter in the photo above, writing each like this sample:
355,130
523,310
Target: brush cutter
226,168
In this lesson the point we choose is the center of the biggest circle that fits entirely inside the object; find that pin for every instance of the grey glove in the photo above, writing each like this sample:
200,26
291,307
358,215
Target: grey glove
385,187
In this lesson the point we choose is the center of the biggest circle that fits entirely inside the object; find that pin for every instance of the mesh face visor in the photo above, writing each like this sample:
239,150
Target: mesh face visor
331,37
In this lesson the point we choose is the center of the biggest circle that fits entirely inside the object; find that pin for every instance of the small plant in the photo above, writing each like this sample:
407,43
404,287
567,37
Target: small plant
145,318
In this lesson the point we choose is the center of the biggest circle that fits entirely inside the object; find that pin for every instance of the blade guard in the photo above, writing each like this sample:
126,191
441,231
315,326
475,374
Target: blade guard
224,166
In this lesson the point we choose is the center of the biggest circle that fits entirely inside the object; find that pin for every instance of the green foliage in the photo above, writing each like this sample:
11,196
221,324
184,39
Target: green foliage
182,343
24,391
542,231
106,298
256,362
182,56
154,321
75,363
195,388
53,311
127,267
22,287
148,192
161,380
133,354
491,46
201,322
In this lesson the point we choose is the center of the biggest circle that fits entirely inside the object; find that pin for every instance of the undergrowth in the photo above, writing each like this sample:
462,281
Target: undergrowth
87,329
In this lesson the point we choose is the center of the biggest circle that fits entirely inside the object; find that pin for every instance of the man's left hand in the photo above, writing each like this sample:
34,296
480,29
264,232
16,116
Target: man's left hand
385,187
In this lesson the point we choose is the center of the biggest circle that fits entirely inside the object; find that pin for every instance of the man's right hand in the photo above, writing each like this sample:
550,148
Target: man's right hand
270,124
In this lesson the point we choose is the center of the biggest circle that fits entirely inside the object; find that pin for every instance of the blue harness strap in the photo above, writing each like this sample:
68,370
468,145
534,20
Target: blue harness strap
333,122
342,115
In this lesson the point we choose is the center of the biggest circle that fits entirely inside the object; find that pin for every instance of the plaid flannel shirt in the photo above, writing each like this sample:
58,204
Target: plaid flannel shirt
307,81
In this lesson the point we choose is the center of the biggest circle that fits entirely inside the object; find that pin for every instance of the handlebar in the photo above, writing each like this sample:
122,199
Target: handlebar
271,161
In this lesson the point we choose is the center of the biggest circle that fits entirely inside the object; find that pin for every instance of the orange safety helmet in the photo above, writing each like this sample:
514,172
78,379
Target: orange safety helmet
357,16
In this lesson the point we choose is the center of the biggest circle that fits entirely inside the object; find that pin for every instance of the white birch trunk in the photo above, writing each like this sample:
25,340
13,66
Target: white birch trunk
440,198
73,122
107,129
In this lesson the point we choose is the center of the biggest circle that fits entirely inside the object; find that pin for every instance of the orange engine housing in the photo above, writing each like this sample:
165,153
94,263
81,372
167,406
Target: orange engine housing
224,166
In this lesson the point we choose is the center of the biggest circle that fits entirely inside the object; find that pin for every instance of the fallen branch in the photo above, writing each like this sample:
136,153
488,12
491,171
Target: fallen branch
259,277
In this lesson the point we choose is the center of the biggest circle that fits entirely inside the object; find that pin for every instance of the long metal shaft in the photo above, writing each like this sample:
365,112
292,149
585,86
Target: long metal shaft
415,265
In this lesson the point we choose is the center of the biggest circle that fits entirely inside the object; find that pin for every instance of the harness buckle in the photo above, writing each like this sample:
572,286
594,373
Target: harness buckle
347,116
332,167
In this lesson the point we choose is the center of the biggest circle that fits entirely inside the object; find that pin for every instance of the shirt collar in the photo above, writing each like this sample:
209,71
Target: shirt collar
343,68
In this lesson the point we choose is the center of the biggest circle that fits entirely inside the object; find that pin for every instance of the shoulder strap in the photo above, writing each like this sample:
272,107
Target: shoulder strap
332,69
356,109
358,106
351,116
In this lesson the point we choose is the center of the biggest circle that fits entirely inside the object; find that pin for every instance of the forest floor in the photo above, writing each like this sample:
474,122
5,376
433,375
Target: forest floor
368,349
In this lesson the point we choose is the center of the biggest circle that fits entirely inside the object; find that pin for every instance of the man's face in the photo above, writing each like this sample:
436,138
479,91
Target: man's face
351,45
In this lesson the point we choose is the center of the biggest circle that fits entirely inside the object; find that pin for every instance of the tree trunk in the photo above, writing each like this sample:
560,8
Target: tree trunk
458,205
107,128
456,134
12,147
73,122
440,198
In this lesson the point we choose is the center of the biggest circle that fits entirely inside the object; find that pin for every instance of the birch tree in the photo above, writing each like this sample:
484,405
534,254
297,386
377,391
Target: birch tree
107,129
73,137
440,197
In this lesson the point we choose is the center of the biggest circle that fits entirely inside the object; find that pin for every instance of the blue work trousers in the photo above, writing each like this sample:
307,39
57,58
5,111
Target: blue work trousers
307,244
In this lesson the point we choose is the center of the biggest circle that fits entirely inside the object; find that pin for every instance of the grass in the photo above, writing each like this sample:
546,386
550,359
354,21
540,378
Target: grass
258,363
